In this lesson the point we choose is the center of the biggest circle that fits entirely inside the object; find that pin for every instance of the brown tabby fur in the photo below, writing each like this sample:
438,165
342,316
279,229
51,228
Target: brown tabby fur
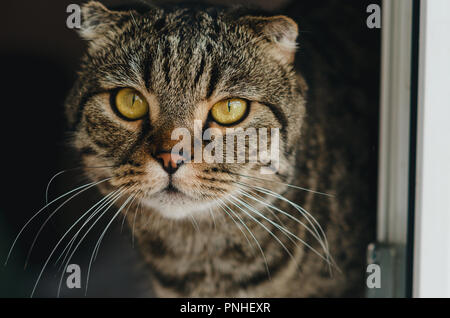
183,60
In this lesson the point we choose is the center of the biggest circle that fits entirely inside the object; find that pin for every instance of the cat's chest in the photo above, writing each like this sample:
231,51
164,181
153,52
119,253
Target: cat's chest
206,243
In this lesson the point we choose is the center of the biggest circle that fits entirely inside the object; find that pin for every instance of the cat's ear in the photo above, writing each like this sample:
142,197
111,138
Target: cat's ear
97,20
281,30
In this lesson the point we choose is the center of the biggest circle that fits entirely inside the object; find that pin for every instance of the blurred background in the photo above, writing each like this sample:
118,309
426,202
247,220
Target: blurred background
39,56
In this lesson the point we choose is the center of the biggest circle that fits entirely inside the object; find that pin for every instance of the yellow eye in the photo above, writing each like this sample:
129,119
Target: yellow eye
229,111
131,104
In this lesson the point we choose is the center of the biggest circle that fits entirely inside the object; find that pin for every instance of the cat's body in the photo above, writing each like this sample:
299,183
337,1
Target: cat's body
222,247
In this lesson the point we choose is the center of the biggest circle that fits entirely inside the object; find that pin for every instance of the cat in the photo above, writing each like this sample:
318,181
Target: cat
216,229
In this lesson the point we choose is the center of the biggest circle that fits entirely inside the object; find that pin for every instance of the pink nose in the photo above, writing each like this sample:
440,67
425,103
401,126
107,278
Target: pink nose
170,161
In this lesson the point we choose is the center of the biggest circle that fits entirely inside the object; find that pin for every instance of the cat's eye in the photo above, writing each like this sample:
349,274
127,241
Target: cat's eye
229,111
131,104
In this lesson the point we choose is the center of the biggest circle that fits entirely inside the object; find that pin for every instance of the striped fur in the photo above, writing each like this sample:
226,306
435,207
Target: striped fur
183,59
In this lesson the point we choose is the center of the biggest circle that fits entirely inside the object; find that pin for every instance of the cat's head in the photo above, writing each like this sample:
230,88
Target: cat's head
151,72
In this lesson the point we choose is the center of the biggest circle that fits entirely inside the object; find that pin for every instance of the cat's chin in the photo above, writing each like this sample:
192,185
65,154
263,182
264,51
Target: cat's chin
177,205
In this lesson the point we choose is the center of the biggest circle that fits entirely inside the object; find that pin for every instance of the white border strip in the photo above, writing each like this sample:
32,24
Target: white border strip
432,220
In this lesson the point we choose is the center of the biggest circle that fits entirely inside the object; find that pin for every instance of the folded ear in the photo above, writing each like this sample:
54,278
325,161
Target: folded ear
281,31
97,20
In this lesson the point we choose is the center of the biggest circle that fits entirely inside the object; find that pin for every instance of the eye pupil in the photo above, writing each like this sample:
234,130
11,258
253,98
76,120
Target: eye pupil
229,111
130,104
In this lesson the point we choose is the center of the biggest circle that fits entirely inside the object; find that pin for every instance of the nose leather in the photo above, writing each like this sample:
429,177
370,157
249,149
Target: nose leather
170,161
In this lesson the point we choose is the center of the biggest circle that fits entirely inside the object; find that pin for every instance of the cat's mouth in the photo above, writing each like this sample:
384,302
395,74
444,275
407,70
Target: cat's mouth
174,202
176,195
174,191
171,189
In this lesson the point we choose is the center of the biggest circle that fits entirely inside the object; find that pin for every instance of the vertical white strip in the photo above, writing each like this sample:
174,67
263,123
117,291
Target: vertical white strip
432,220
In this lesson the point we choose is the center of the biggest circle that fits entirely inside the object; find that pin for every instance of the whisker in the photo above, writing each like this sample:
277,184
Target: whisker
281,229
194,223
251,192
48,184
65,234
133,195
126,212
138,208
237,225
99,241
251,233
286,184
53,213
105,201
212,217
68,170
308,217
319,239
264,227
110,199
302,211
281,224
39,212
112,202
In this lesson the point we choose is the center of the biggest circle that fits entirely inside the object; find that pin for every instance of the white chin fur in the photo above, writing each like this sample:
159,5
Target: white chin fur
177,205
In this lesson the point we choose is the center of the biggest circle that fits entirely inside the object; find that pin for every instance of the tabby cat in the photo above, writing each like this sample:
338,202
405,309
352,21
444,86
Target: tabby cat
215,229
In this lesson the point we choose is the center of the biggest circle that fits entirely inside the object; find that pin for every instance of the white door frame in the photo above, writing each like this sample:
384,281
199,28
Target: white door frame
418,179
432,207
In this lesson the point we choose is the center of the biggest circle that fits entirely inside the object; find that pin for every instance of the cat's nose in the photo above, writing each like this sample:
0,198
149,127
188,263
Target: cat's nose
170,161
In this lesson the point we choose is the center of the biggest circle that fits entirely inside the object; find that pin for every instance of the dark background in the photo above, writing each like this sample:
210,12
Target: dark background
39,56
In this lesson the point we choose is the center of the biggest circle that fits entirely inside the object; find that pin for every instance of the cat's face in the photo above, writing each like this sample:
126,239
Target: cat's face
178,65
